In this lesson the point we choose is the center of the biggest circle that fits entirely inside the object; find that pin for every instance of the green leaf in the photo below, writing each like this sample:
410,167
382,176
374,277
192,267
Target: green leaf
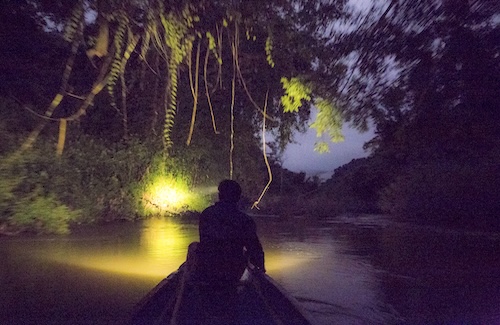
328,120
321,147
295,91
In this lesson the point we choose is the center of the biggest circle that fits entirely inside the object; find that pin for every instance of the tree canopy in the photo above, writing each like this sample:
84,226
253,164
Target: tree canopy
362,65
225,55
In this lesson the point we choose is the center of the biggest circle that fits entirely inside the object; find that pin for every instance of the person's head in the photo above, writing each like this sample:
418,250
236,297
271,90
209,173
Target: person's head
229,191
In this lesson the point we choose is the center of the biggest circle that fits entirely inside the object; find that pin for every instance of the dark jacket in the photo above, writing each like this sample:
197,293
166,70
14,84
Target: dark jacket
228,239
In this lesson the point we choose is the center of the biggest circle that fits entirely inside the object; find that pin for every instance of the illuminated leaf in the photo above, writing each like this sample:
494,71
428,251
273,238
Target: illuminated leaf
211,41
328,120
321,147
295,92
269,48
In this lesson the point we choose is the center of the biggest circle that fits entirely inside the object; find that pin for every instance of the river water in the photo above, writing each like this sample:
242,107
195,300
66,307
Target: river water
357,270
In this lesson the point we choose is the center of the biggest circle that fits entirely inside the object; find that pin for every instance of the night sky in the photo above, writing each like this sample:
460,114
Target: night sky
301,157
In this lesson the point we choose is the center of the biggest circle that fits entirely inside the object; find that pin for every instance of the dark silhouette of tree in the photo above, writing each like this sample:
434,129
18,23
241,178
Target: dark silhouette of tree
445,64
433,157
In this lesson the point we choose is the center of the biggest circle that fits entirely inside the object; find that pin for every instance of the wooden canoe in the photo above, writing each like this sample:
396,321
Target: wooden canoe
257,300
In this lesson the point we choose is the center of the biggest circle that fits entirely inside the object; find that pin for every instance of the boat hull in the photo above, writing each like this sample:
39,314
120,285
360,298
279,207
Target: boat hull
258,299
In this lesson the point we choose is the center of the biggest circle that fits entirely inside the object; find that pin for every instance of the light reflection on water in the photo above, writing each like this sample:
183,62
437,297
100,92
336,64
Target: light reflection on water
165,242
161,249
344,273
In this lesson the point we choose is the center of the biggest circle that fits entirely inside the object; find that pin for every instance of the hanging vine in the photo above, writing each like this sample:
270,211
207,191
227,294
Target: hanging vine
219,60
73,28
207,92
132,41
255,205
240,75
234,47
116,65
179,41
194,91
269,50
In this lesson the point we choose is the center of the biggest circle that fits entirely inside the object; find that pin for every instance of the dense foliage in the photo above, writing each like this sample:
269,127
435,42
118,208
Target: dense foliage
156,61
95,181
436,151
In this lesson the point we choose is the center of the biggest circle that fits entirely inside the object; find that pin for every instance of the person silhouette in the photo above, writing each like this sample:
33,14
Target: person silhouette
228,239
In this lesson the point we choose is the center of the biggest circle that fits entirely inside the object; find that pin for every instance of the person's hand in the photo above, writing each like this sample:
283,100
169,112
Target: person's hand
260,269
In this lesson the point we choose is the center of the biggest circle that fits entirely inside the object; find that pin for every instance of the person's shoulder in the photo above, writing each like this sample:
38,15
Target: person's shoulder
246,217
209,210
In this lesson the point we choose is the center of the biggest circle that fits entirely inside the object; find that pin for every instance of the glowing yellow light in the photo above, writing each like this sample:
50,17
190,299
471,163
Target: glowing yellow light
166,194
168,197
164,239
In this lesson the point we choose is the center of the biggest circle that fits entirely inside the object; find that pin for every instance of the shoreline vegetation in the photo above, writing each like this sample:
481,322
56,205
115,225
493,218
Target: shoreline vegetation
45,194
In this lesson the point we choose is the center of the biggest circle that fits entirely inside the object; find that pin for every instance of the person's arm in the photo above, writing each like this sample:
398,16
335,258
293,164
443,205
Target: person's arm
204,225
254,247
